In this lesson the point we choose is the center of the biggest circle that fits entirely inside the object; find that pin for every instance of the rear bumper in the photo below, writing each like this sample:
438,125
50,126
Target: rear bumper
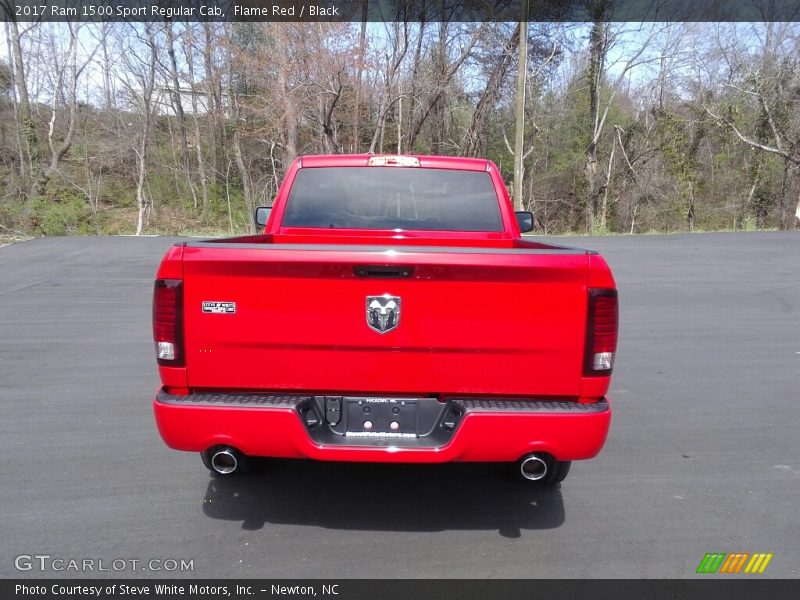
487,430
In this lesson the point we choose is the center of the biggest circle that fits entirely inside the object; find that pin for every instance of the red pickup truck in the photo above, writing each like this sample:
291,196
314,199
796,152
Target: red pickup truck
390,312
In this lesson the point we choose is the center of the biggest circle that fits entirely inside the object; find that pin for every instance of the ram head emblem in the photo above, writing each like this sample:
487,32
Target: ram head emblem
383,312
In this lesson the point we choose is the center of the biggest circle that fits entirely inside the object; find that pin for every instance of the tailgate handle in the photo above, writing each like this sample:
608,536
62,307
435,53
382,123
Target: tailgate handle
383,271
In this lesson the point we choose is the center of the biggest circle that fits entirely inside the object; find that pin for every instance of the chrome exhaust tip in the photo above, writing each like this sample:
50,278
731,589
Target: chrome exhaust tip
533,467
225,461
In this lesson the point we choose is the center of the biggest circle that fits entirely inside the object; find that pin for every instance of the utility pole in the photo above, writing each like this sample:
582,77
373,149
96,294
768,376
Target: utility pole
519,142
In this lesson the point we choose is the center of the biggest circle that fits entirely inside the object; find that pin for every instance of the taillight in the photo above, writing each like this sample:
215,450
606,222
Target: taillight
168,321
601,332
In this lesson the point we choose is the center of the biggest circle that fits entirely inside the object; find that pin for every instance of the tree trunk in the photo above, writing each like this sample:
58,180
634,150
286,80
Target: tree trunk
147,94
362,41
326,111
475,142
247,187
178,103
15,104
237,119
201,163
441,85
26,117
288,100
393,67
141,198
57,151
797,210
597,52
214,101
787,219
412,102
107,79
438,105
604,191
519,116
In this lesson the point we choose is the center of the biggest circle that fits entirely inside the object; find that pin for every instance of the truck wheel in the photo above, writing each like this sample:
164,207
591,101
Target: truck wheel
559,472
225,461
542,469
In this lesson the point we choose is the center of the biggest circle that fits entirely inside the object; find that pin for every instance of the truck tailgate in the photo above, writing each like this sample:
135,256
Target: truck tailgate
472,320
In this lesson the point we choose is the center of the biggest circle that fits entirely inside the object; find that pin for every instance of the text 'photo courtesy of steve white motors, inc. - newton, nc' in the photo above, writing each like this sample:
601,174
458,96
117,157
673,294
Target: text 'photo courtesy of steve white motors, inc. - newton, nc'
193,590
194,10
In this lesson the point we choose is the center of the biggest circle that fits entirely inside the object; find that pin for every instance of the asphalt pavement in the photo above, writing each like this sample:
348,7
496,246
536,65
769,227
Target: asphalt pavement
703,454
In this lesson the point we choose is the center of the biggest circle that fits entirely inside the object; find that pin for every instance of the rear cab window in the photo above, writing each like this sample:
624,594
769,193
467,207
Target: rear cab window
393,198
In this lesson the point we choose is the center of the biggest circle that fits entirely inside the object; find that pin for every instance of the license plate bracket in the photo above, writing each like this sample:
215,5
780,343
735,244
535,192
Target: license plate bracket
382,416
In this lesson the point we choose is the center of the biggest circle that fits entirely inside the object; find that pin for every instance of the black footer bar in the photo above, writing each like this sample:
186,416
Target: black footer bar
406,589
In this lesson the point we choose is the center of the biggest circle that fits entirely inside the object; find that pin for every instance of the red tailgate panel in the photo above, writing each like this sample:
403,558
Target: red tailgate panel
300,321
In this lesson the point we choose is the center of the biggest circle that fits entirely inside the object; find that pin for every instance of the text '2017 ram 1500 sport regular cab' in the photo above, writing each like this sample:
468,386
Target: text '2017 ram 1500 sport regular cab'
390,312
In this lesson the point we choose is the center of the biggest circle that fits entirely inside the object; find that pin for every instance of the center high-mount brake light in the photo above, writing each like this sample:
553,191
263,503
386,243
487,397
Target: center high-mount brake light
393,161
601,332
168,322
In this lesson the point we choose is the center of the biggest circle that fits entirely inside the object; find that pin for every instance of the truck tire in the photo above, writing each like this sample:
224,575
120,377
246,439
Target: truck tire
558,472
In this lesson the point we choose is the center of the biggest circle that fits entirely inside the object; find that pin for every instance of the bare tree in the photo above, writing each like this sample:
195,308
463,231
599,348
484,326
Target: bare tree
601,39
286,89
475,141
362,44
447,70
177,103
519,110
202,171
767,85
213,86
69,72
398,35
101,34
140,57
12,73
25,114
598,47
617,130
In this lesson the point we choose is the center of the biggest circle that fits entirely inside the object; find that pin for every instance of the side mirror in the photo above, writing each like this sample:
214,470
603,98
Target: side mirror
262,215
524,220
